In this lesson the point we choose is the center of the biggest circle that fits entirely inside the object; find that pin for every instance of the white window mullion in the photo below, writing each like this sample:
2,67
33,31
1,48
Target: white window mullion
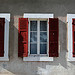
48,37
38,37
29,38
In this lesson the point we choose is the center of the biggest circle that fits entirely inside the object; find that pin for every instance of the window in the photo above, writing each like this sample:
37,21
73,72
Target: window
71,36
4,36
38,37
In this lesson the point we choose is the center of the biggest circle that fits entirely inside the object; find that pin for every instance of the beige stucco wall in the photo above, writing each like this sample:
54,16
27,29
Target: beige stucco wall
17,8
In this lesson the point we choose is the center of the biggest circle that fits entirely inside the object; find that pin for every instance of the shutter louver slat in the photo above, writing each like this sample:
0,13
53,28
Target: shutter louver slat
53,37
23,37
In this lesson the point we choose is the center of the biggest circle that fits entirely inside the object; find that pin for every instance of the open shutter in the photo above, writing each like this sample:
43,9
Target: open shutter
73,30
2,25
23,37
53,37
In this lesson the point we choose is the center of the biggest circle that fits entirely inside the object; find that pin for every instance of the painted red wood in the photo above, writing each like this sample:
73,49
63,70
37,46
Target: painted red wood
23,37
2,25
53,37
73,31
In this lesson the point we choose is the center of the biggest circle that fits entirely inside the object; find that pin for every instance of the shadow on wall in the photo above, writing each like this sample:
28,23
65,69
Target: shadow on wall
62,60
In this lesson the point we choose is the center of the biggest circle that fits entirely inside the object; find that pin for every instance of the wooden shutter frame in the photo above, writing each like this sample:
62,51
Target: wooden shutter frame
50,52
73,30
22,53
2,21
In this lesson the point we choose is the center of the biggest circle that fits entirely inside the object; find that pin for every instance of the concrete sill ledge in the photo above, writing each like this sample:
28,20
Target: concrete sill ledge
71,59
37,58
4,59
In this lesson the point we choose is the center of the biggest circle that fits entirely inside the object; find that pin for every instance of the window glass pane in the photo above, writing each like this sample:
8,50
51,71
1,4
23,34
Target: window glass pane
33,48
43,36
33,36
33,25
43,48
43,25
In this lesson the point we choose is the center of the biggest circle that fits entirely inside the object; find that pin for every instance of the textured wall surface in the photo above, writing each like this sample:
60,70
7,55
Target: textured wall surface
60,9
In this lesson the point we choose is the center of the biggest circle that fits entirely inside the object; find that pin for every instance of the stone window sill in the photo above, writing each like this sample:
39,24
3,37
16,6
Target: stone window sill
37,58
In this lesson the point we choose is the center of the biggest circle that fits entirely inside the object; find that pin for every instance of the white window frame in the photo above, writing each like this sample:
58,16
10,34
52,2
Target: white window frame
36,16
6,36
38,37
70,37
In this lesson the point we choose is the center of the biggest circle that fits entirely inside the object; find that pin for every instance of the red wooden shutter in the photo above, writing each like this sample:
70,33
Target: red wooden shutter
23,37
2,25
73,30
53,37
